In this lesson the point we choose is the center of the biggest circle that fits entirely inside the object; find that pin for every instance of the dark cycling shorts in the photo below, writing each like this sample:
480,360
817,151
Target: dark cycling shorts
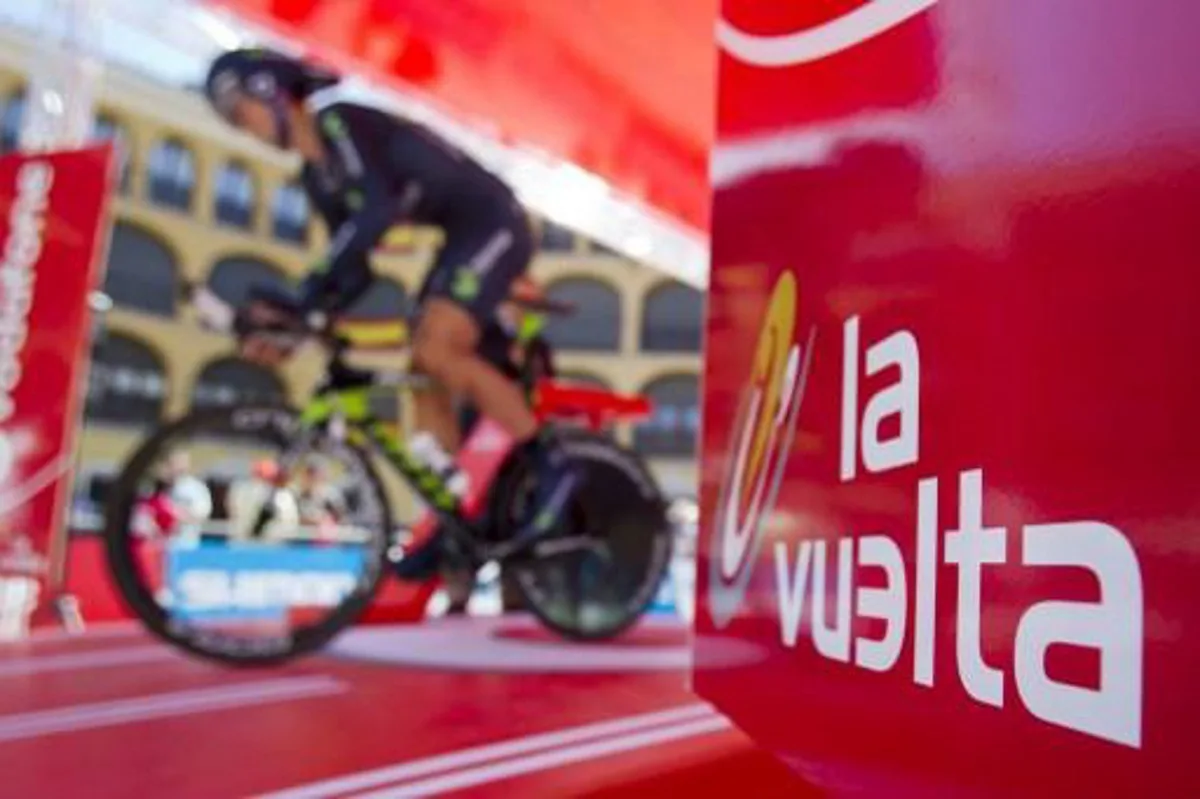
477,264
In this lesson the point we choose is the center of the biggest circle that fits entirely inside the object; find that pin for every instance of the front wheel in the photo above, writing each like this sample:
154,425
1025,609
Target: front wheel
281,550
596,590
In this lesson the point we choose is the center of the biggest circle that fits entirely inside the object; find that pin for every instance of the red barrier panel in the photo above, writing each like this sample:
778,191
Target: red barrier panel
53,211
948,499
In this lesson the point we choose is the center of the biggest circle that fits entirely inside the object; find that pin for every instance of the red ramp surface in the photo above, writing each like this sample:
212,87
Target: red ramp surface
114,713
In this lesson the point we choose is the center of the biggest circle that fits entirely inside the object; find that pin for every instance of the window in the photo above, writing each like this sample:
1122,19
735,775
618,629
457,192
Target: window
595,324
674,425
11,116
385,299
556,238
232,278
126,385
107,128
234,196
673,319
289,214
142,274
172,175
232,381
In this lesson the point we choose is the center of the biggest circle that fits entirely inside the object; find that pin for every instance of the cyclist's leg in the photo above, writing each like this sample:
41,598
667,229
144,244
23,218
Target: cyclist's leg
428,559
445,348
433,405
471,278
459,582
435,409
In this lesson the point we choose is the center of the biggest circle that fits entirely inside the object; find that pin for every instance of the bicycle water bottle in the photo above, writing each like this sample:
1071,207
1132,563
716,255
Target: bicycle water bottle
426,449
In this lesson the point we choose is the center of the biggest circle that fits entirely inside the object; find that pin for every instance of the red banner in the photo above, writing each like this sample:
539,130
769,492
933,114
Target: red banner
52,217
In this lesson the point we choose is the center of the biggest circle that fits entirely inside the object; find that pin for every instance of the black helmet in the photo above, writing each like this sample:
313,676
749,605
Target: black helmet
264,75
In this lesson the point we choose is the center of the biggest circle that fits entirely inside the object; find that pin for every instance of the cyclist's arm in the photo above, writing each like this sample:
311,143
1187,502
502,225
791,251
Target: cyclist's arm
332,212
372,206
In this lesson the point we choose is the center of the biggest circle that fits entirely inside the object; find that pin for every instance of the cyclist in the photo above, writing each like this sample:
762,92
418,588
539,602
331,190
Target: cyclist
365,171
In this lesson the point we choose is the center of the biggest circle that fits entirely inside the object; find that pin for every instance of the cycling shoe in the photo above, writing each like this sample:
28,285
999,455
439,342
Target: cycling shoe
423,562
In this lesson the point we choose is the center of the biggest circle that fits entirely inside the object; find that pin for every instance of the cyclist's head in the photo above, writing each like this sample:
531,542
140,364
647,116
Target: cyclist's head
255,90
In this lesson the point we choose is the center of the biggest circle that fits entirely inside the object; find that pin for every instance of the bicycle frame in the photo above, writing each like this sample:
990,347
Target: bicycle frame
350,406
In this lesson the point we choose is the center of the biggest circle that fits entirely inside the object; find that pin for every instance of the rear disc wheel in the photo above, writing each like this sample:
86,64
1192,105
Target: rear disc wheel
599,571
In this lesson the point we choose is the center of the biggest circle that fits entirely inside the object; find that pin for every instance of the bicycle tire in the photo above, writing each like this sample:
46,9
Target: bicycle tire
645,507
126,572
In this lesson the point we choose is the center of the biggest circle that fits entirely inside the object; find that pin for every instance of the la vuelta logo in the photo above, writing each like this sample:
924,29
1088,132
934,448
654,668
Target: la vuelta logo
889,600
781,35
766,425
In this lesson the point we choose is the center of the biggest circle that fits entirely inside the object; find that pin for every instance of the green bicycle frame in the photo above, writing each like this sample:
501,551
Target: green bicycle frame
353,406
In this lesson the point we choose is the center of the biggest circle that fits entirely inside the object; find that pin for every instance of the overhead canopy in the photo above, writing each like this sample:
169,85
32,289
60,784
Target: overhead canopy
555,93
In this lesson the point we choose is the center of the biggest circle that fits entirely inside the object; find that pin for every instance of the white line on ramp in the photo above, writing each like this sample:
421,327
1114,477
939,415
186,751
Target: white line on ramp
554,758
79,661
22,726
340,786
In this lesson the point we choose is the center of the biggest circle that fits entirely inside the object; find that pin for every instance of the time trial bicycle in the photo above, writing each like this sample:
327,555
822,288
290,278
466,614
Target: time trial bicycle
247,601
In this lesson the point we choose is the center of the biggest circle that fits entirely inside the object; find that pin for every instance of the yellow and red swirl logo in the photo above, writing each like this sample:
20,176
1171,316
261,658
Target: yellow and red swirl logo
767,367
764,429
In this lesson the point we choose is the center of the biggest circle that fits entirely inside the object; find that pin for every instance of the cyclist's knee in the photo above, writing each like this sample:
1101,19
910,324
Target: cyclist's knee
444,343
440,359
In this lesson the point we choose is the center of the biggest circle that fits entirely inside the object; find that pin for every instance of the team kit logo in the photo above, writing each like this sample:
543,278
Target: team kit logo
786,34
765,427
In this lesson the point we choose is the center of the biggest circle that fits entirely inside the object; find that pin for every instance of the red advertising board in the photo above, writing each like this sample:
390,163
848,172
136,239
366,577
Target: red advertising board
52,234
949,501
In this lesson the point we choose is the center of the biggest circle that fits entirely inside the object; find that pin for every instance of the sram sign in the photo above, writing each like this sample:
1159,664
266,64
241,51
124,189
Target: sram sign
235,581
863,599
771,35
206,590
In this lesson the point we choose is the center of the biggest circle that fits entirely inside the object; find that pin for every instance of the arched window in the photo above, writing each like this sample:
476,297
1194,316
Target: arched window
556,238
12,114
142,274
673,319
289,214
171,172
232,278
595,324
106,128
232,381
674,425
234,196
127,384
385,299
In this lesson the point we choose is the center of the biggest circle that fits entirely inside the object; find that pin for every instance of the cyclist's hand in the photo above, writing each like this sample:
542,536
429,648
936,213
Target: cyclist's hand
268,315
264,350
268,333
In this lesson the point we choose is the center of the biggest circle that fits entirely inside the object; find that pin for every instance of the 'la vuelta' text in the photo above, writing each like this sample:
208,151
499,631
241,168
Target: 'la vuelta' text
1111,626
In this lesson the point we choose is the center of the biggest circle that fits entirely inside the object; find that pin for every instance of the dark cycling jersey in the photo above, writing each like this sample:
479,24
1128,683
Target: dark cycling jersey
380,170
